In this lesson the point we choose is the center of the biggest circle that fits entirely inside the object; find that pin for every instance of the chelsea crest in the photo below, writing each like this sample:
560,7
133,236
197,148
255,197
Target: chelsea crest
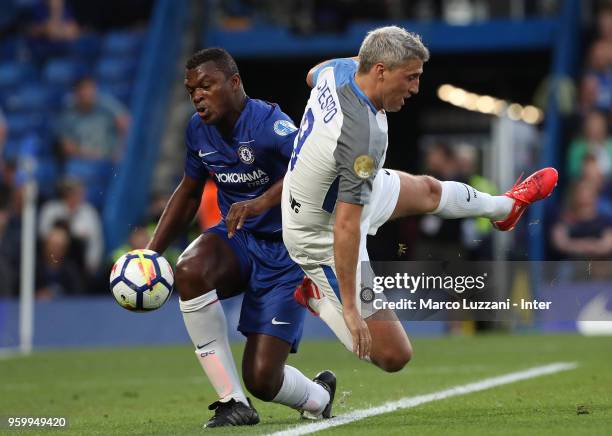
246,155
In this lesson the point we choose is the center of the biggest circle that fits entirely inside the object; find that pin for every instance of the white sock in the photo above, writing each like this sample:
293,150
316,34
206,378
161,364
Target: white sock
301,393
207,327
459,200
331,313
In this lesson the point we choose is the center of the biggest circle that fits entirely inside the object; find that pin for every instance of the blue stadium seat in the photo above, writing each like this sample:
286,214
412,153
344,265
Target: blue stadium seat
89,171
28,143
47,174
126,44
114,68
58,96
9,48
14,73
11,148
9,12
95,176
87,46
29,97
63,71
95,194
121,90
22,4
21,124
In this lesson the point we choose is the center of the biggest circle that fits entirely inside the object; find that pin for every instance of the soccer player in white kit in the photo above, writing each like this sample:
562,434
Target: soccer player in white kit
336,190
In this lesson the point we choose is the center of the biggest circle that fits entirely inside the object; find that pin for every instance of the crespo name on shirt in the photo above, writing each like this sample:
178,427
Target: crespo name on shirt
326,101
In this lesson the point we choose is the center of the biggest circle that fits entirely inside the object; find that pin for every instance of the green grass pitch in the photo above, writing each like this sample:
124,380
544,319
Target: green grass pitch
162,390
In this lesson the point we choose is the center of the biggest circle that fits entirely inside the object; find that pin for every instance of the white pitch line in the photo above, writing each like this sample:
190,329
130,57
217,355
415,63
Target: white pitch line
408,402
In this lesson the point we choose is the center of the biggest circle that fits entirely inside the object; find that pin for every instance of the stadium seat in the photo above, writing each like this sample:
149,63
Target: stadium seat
88,170
58,96
9,48
47,174
28,143
95,176
10,152
13,73
115,68
21,124
121,90
63,71
9,13
87,46
28,98
124,43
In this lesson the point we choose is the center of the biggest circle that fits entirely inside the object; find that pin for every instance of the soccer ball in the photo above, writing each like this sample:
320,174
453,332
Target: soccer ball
141,280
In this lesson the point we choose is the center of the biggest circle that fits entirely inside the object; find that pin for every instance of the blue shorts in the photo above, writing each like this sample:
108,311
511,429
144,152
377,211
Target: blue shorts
268,306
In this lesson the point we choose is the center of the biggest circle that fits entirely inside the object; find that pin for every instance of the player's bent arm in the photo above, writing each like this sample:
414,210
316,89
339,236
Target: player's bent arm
179,212
310,75
347,235
272,196
242,210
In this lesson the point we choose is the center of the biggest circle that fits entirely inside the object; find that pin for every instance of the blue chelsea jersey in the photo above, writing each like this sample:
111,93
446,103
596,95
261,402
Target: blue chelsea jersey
247,165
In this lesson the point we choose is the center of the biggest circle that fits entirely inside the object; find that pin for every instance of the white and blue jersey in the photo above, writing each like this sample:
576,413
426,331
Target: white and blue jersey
244,167
338,156
340,149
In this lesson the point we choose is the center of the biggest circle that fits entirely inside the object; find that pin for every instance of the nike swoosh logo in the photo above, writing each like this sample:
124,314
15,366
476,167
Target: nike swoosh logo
595,310
205,154
468,191
275,322
199,347
595,318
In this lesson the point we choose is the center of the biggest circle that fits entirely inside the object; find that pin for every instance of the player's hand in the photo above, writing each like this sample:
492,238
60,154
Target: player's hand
362,341
239,212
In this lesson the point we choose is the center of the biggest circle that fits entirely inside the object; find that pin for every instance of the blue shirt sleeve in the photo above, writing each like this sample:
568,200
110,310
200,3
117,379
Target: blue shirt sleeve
283,132
194,167
344,69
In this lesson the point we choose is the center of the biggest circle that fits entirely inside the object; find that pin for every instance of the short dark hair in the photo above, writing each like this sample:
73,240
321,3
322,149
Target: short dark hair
222,59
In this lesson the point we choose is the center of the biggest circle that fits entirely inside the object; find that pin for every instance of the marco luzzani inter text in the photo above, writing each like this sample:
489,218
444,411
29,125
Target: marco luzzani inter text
458,284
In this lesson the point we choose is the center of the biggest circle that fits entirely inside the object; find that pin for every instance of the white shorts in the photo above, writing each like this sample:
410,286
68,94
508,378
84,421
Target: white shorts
321,269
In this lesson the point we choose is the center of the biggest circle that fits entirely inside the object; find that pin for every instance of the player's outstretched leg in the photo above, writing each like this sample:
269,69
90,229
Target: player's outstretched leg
424,194
206,266
268,378
391,348
536,187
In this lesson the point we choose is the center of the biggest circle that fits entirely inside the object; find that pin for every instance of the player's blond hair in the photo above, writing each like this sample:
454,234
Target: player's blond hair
392,46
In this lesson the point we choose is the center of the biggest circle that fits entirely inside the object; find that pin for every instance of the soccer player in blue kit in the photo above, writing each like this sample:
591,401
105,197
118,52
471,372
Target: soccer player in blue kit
245,145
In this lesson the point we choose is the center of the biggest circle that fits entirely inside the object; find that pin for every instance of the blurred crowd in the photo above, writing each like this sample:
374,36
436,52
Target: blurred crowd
584,227
333,16
435,238
65,82
66,77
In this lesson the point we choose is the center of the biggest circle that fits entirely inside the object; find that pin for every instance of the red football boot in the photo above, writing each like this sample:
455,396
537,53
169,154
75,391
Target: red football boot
307,289
536,187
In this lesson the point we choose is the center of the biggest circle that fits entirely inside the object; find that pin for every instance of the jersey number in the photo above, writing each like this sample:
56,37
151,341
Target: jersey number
305,129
